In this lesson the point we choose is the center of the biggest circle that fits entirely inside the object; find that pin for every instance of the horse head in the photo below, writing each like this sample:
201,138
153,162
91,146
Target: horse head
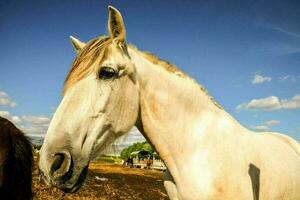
99,104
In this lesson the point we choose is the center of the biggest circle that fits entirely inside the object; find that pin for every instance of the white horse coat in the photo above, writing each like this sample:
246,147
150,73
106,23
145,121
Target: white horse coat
210,156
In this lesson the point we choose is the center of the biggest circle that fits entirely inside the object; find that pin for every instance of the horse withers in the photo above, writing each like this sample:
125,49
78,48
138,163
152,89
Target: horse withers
16,162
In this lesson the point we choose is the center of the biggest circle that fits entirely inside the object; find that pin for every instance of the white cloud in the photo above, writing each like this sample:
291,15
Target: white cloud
284,78
287,78
35,130
36,119
266,126
35,125
257,79
133,136
6,101
260,128
31,125
271,103
266,104
287,32
272,123
294,103
15,119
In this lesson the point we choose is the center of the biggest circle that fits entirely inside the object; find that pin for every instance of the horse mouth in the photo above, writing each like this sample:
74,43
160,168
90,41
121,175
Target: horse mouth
70,187
67,185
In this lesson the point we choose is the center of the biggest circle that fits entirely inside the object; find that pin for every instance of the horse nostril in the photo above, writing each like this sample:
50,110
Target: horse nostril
61,168
58,162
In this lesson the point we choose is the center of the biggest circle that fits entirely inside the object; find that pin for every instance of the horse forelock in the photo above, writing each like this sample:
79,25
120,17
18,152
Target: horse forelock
94,51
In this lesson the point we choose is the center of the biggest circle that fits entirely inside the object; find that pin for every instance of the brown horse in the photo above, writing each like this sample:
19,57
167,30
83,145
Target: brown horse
15,163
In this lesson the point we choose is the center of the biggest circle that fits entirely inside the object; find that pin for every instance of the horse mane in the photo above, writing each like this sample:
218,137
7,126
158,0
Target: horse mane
173,69
18,163
165,64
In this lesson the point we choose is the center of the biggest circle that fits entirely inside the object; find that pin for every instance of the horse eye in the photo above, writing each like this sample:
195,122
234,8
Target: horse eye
107,73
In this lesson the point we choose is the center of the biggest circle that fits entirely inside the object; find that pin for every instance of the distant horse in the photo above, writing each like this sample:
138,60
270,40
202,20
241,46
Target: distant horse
209,155
15,163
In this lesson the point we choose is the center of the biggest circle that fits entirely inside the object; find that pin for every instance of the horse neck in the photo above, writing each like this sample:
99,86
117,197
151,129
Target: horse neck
176,114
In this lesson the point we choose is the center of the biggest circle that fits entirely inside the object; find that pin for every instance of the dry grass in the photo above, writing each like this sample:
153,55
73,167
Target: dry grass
122,183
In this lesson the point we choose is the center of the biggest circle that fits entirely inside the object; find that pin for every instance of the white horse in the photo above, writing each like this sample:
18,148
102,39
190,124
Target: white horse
209,155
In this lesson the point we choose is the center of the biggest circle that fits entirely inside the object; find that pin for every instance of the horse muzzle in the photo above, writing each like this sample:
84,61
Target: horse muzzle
63,174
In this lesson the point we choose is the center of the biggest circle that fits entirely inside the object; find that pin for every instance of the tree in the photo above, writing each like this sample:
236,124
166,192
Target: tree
148,147
139,146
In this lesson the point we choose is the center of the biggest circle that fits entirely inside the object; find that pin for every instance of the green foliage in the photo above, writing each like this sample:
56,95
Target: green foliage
125,153
148,147
107,159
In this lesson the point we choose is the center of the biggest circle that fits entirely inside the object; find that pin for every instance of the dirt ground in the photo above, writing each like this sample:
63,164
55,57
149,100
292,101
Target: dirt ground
120,183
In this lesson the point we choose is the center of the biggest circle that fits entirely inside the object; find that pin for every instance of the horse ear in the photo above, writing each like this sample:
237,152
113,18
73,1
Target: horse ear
116,25
77,44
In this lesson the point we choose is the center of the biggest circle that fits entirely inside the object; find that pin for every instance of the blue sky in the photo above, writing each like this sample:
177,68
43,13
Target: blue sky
246,53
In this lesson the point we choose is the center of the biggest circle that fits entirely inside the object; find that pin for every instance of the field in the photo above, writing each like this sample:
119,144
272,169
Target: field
107,181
